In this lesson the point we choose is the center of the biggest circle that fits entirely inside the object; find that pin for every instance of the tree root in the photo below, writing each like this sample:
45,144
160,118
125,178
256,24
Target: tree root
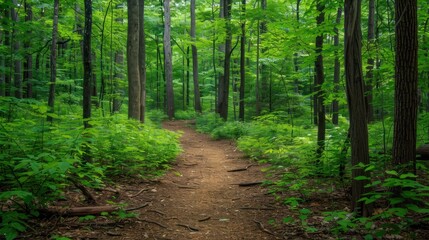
192,229
261,227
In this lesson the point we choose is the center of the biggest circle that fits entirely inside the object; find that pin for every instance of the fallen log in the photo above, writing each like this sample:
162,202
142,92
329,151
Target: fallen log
78,211
83,211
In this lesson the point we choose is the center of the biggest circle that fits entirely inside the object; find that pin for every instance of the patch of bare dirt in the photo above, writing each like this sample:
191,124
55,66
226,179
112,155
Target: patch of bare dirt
199,198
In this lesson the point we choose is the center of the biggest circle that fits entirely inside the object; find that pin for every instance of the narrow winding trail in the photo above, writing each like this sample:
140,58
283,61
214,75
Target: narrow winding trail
200,199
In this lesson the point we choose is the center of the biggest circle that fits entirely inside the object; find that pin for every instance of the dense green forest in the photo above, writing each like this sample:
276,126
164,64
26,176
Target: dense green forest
334,95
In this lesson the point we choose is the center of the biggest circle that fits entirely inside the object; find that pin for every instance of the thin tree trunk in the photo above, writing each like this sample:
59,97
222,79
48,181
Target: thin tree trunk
87,64
7,58
406,78
356,103
168,58
197,99
142,62
134,92
242,61
320,78
28,64
370,61
335,103
224,84
53,61
17,73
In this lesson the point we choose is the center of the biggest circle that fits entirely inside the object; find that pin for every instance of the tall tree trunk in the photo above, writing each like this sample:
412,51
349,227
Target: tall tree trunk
7,57
224,83
53,60
356,103
142,62
168,58
242,60
17,75
295,55
258,100
197,99
133,60
406,78
370,61
335,103
28,64
264,74
87,64
320,78
2,60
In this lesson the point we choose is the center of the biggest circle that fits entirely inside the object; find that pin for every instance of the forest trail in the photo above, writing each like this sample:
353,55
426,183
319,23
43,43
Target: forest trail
200,199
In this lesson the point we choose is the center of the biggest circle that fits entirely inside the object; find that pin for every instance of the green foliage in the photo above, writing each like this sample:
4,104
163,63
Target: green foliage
39,158
185,115
125,147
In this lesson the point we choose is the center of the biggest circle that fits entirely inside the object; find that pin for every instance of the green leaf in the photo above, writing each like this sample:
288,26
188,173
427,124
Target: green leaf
407,175
362,178
392,172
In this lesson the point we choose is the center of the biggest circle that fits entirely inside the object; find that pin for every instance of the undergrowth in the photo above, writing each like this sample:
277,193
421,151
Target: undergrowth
297,176
39,159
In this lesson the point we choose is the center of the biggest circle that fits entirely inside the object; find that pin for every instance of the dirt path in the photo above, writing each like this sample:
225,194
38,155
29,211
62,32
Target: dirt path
199,192
199,198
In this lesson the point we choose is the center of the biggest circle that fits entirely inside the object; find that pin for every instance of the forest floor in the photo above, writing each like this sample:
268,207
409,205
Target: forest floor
199,198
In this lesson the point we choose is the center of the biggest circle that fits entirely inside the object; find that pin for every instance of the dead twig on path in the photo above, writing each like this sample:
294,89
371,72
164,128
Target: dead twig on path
241,169
139,192
204,219
153,222
257,208
114,234
156,211
137,208
192,229
190,164
262,228
249,184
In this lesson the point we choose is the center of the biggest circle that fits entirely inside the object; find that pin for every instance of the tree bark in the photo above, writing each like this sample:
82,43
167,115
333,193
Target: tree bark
320,78
168,58
197,99
406,78
356,103
335,103
53,60
17,73
142,62
87,64
28,64
133,60
370,61
242,61
224,82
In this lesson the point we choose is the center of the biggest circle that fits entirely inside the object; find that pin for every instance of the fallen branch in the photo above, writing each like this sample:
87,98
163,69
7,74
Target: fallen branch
153,222
248,184
192,229
257,208
78,211
88,196
204,219
139,192
137,208
156,211
262,228
83,211
240,169
190,164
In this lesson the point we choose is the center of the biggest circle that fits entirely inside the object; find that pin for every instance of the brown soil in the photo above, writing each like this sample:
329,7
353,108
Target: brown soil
199,198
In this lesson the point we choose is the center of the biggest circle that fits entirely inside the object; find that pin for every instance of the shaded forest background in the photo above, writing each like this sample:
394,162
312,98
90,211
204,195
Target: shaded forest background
85,85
